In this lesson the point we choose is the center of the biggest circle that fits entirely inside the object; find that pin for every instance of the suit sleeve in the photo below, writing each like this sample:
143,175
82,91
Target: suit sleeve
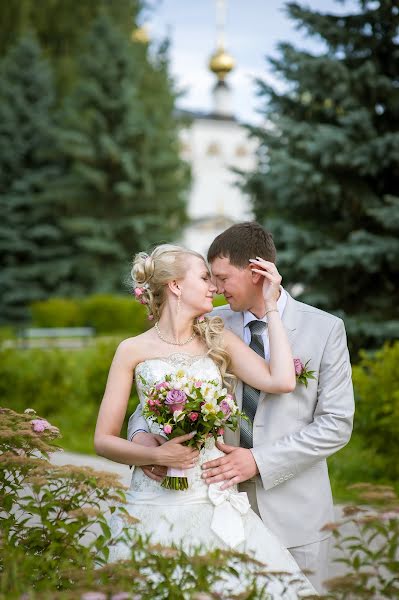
332,424
136,422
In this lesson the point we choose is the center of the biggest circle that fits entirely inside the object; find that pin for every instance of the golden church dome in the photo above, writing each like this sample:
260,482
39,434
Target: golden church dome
221,63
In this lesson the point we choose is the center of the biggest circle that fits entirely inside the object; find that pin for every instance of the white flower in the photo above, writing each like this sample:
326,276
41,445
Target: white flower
208,392
208,408
178,415
232,405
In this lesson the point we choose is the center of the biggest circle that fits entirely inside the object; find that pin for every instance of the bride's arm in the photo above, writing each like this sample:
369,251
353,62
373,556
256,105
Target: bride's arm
107,440
277,376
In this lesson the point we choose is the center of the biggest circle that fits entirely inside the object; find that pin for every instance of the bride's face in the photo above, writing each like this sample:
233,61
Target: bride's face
197,287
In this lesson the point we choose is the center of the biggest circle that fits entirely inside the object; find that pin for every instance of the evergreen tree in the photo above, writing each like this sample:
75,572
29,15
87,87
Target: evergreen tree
33,249
60,26
327,184
126,183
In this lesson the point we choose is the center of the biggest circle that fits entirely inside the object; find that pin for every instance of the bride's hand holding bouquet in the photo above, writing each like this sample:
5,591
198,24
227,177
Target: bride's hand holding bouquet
181,405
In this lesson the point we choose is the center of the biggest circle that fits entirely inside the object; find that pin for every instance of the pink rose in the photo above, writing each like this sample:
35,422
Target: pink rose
167,429
39,425
175,399
162,386
225,408
138,292
299,366
221,431
193,416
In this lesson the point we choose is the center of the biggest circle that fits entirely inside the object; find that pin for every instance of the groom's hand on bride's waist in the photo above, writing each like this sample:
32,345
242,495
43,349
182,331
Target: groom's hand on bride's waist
236,466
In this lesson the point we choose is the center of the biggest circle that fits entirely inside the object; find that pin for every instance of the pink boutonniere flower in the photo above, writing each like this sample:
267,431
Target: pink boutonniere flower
301,371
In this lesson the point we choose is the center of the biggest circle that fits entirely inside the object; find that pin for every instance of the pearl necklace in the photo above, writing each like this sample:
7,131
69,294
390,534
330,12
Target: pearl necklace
192,336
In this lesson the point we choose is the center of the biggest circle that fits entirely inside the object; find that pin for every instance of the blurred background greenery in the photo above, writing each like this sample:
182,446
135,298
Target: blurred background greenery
91,172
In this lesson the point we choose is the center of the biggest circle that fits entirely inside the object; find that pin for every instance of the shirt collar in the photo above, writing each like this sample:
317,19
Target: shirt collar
281,303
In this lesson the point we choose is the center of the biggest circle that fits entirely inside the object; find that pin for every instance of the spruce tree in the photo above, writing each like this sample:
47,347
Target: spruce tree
33,248
327,182
125,185
60,26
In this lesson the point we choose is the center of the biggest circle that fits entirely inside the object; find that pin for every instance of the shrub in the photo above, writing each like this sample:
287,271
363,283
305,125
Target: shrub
57,312
108,314
376,382
51,550
66,386
368,542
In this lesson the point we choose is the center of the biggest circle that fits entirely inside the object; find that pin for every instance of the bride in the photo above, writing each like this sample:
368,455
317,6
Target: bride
177,288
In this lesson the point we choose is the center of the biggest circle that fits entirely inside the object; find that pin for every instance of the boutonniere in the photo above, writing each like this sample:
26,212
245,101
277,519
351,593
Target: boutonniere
301,371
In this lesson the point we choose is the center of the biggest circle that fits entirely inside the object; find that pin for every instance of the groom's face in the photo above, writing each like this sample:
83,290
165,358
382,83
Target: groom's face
236,284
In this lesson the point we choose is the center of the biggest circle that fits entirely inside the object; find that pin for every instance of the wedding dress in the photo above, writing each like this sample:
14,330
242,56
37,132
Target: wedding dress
202,515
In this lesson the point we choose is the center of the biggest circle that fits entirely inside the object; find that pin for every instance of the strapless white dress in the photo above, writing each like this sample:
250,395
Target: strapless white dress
202,515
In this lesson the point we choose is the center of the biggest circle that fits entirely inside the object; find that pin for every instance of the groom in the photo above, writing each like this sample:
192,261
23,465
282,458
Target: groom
280,459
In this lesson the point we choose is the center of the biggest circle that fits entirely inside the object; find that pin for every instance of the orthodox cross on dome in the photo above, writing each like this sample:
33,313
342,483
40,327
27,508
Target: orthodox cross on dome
221,63
220,23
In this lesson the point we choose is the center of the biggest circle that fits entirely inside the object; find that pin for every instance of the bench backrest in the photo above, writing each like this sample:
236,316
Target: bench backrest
42,332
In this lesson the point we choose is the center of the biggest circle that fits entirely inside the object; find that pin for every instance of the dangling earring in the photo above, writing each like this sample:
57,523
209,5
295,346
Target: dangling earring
178,303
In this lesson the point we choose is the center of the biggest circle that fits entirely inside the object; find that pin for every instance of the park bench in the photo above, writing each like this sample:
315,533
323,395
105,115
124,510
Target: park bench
60,337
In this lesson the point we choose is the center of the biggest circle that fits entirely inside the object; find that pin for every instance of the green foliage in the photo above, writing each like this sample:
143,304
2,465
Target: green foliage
373,449
105,312
327,181
376,381
55,535
57,312
219,301
60,26
125,186
43,526
66,386
33,246
368,541
90,176
109,314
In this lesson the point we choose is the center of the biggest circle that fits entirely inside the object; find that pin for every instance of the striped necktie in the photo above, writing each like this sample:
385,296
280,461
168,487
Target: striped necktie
250,395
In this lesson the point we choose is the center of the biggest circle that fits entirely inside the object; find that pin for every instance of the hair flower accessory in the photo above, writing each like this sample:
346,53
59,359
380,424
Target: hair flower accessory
301,372
138,291
201,319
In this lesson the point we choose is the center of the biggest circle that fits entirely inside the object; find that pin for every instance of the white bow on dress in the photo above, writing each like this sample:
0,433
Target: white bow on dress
227,520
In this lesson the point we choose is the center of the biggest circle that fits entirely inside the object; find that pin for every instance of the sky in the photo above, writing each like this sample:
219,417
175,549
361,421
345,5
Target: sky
253,30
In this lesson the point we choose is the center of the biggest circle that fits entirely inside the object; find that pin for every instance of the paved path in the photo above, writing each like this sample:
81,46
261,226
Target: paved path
103,464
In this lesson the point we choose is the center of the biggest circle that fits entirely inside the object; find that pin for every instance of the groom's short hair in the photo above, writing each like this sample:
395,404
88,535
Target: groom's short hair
241,242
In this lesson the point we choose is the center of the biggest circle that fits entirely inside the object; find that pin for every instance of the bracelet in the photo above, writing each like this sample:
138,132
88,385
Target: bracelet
271,310
137,431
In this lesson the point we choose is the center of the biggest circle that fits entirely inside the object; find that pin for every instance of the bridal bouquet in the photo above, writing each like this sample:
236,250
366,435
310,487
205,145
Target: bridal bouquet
182,404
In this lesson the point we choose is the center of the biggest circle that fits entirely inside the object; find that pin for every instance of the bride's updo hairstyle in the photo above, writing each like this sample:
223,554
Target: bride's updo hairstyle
152,272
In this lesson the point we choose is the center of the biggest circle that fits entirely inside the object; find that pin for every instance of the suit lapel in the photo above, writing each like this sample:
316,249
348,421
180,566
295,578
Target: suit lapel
236,323
289,319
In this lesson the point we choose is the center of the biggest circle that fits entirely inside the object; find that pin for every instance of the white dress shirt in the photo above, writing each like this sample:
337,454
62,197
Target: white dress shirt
248,317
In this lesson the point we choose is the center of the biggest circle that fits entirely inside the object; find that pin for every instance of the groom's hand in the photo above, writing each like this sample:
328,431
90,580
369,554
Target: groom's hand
155,472
236,466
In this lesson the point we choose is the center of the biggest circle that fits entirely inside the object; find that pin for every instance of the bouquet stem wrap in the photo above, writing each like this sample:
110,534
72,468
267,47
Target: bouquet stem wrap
175,479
